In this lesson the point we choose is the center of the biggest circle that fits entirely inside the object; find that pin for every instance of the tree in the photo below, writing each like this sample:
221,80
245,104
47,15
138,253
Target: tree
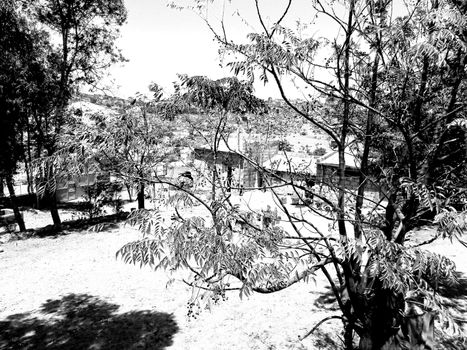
18,47
396,85
129,144
87,31
218,104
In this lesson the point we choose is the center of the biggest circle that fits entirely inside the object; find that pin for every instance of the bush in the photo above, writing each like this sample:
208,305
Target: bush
284,146
102,194
320,151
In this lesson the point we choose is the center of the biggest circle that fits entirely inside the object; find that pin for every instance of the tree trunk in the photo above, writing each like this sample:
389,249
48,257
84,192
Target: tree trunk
415,333
14,203
28,160
141,195
345,125
54,210
229,179
213,185
364,161
389,323
129,190
348,337
366,343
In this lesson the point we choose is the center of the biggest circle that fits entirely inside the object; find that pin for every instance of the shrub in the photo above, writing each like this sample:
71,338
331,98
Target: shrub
102,194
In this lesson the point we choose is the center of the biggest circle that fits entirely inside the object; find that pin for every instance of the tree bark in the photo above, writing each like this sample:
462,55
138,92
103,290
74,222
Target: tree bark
129,190
345,124
14,203
54,210
366,151
51,197
141,195
348,337
415,333
214,179
442,132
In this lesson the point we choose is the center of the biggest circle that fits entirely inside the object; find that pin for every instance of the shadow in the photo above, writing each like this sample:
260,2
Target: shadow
81,321
78,205
322,340
327,300
450,343
98,223
82,205
454,299
458,290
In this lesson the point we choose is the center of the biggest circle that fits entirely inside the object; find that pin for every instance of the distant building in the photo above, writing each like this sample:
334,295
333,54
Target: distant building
327,168
290,167
74,187
283,170
228,161
328,165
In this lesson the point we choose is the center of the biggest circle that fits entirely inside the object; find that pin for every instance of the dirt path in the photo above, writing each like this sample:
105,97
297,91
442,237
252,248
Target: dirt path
70,292
79,271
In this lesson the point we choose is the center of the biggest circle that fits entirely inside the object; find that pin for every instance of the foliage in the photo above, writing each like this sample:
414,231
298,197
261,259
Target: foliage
102,194
131,144
284,146
396,87
13,65
20,60
319,151
228,94
86,32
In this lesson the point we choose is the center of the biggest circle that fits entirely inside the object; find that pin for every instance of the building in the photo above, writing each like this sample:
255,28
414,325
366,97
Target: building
228,162
287,167
327,168
74,187
328,165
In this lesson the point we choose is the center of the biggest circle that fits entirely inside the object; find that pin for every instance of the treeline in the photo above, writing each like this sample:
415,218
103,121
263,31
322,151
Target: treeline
47,49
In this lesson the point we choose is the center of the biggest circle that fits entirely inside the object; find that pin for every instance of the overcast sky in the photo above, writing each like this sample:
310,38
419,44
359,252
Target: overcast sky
160,42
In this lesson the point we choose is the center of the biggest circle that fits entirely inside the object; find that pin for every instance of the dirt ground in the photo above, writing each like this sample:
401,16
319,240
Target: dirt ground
70,292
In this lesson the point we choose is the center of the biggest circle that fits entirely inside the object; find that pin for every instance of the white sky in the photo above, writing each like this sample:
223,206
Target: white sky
161,42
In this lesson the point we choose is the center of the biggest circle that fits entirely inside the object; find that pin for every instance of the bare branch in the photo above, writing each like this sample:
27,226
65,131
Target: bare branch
319,324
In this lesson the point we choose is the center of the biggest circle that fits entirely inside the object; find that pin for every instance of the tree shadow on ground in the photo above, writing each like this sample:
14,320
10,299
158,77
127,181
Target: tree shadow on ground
98,223
458,290
454,298
327,300
81,321
323,340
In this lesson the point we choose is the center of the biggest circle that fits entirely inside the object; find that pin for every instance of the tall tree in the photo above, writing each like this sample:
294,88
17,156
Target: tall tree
129,143
87,31
18,50
396,83
218,103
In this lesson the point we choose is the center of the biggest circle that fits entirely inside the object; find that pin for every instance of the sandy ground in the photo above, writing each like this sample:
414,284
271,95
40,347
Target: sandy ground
83,265
44,281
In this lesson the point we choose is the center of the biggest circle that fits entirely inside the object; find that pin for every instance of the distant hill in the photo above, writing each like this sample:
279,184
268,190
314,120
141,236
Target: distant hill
101,100
296,132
